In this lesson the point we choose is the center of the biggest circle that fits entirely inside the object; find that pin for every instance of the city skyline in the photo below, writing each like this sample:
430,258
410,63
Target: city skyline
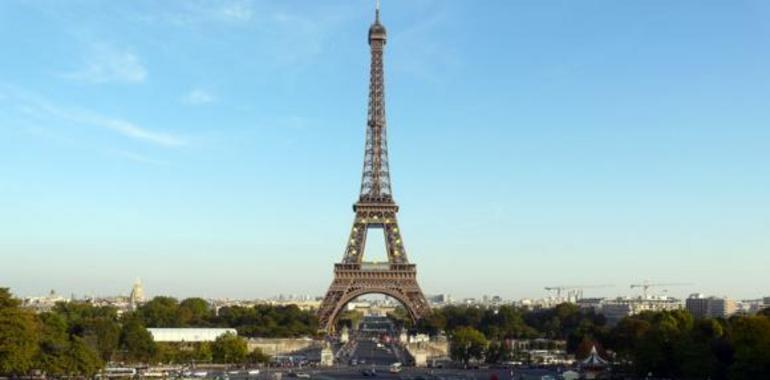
215,149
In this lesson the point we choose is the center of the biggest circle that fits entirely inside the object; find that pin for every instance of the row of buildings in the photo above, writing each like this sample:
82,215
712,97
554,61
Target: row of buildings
697,304
614,309
122,303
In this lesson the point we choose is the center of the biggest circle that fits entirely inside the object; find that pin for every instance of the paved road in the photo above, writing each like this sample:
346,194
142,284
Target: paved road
408,373
426,374
367,353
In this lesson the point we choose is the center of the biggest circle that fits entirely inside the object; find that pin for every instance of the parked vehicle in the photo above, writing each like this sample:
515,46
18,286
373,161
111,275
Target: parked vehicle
369,372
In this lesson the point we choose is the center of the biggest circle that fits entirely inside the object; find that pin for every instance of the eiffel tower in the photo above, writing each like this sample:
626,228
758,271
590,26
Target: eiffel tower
376,210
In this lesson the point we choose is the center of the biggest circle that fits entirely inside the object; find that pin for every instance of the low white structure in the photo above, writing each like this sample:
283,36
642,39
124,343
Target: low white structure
327,356
188,335
345,335
419,338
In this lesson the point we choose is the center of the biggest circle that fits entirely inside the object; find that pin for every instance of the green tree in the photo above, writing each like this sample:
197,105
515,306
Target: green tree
497,352
160,312
349,318
82,359
194,312
461,316
229,348
751,339
136,341
7,300
103,335
268,321
697,350
505,322
433,323
257,357
18,336
466,344
53,353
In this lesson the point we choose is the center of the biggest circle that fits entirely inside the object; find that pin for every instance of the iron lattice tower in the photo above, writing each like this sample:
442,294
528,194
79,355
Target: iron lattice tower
375,209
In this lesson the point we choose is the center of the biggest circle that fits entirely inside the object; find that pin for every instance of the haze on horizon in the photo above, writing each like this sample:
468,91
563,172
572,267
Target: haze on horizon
214,148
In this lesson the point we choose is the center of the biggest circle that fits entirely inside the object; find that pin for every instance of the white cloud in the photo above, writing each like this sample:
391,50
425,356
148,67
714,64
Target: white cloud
191,13
280,34
239,11
41,110
106,64
130,130
198,97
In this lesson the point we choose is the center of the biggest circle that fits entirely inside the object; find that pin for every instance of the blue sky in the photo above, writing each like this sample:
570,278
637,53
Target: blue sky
215,148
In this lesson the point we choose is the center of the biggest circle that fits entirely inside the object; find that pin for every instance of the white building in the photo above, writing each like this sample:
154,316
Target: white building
188,335
619,308
44,303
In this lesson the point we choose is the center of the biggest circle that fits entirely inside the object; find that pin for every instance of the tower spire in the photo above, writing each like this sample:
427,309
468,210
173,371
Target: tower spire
375,179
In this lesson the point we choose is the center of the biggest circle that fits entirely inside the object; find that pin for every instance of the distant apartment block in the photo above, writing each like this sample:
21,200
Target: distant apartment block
710,307
619,308
440,299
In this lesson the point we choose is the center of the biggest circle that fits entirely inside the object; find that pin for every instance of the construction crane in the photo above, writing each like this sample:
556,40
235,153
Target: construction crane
575,290
646,285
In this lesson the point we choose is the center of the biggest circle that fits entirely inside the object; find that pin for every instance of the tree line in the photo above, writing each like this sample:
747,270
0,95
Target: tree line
265,321
80,338
668,344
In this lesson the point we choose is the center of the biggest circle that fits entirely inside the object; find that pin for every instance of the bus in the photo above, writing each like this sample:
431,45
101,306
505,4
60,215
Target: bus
117,372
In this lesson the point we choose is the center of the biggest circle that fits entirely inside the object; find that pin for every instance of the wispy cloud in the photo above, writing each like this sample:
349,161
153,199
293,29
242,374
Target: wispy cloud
107,64
139,158
191,13
283,35
39,108
237,11
425,57
128,129
198,97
